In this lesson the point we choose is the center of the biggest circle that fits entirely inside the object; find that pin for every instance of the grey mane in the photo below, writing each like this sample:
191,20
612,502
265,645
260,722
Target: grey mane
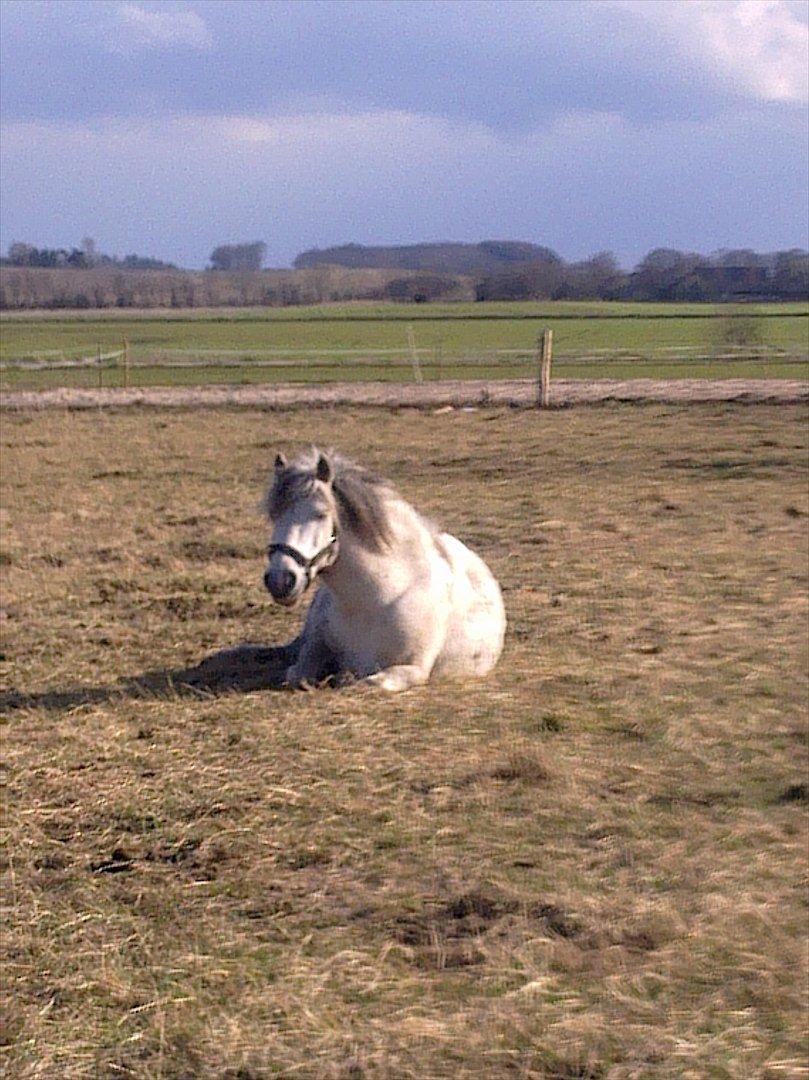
363,502
362,499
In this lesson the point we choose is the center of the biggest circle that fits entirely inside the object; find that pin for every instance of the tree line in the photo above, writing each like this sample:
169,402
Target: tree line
36,277
77,258
28,288
449,258
509,270
663,274
224,257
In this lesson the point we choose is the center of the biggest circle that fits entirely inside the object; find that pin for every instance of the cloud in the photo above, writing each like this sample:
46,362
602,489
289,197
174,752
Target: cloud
176,186
509,65
139,28
760,46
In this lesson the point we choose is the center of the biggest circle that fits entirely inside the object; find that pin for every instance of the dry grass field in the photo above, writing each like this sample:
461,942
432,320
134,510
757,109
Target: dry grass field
590,866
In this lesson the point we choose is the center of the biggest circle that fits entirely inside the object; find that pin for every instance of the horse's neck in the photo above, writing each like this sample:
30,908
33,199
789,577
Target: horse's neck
361,576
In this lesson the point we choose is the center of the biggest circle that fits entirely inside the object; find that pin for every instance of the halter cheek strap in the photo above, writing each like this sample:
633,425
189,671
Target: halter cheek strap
322,560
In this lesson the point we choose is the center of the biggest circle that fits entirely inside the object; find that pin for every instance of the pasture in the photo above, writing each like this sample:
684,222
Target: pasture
590,865
366,341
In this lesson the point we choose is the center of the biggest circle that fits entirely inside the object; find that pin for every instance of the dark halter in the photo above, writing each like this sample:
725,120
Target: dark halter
322,560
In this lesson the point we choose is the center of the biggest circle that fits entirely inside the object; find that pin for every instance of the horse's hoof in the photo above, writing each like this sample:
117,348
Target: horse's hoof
343,680
295,681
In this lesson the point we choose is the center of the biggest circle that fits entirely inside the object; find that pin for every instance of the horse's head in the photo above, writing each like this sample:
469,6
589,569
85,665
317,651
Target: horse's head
304,542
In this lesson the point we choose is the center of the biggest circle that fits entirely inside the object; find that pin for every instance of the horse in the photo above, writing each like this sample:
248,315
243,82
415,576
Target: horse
397,601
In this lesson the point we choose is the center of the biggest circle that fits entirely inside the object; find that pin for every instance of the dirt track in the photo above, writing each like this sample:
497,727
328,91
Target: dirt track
518,392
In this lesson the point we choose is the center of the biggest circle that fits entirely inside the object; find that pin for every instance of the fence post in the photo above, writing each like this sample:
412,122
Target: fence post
414,356
545,344
100,370
126,361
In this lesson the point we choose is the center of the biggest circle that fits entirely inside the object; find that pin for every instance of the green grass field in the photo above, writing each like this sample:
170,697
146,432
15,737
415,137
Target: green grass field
473,340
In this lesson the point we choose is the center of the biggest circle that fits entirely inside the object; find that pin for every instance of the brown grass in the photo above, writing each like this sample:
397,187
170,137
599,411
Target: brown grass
446,394
591,865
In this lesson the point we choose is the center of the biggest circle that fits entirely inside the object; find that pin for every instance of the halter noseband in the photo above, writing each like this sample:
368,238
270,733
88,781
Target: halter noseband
321,560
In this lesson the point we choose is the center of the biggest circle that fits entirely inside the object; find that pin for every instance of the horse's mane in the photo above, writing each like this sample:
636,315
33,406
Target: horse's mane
363,499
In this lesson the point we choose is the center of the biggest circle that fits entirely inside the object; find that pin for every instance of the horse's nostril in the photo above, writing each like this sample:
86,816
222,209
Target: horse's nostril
279,582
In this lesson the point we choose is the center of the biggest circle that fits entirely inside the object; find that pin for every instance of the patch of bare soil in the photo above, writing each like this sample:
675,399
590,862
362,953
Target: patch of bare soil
517,392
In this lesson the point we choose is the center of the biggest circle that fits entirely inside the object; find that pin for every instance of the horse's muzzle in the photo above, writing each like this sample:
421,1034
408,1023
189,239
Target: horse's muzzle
283,585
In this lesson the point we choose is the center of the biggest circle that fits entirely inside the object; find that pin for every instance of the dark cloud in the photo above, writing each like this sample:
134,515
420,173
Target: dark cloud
504,64
169,128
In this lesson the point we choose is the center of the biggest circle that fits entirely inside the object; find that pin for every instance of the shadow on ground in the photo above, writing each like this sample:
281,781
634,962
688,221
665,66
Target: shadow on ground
241,669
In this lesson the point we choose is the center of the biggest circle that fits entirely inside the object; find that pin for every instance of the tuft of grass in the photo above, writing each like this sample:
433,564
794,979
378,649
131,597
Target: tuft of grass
523,762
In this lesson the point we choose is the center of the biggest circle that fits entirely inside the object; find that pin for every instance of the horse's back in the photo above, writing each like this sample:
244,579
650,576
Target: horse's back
477,621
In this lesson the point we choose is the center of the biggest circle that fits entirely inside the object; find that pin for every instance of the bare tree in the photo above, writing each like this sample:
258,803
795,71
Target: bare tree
238,256
599,277
791,274
88,247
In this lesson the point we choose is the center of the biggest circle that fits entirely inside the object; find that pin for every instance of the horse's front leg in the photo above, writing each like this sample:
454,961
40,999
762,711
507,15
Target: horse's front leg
316,660
399,677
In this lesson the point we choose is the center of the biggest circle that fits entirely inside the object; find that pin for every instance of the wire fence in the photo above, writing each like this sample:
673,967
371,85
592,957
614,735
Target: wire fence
737,348
393,358
200,357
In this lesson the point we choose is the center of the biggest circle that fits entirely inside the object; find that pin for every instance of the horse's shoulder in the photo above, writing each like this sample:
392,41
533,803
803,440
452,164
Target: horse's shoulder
450,546
463,559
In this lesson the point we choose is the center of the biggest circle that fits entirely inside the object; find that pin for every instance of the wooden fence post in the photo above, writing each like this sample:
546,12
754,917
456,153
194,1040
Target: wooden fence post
126,362
100,370
414,356
545,354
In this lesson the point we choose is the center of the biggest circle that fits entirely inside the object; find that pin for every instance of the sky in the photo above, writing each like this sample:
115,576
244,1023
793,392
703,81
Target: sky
167,127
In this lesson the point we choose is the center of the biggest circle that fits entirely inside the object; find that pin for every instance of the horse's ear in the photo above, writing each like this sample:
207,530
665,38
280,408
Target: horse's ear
280,462
323,470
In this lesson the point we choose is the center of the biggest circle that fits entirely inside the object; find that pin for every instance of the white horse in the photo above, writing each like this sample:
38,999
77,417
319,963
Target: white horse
397,602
